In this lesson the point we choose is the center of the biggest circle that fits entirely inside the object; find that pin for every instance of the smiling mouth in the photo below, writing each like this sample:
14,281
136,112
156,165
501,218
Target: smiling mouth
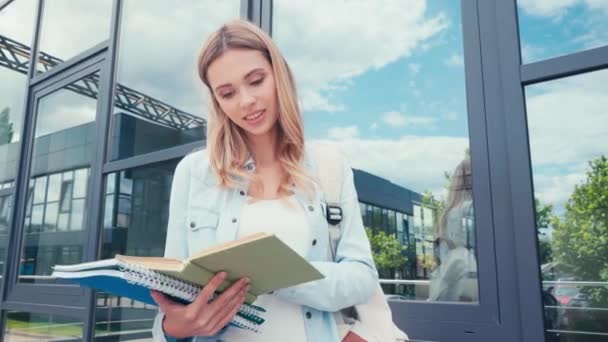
254,115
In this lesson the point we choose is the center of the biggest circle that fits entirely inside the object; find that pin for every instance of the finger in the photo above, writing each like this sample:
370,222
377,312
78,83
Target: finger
228,311
164,303
232,291
225,305
207,292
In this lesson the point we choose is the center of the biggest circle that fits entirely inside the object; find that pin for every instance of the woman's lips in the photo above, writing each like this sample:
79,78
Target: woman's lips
256,117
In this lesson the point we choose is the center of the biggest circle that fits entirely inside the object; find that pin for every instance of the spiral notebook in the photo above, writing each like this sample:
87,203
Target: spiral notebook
264,258
135,282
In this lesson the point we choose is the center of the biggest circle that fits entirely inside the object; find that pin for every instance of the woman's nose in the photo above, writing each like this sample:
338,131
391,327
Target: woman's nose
247,99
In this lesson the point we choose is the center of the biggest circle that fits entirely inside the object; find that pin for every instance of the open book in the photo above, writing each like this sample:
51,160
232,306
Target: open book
264,258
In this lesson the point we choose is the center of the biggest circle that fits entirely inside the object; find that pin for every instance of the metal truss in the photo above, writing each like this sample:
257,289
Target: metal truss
16,56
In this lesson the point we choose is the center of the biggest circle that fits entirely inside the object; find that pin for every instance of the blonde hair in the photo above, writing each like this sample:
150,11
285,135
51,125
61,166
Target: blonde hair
226,142
460,190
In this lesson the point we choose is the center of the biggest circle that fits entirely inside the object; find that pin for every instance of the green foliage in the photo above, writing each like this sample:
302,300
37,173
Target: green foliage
543,221
581,237
6,127
388,253
543,214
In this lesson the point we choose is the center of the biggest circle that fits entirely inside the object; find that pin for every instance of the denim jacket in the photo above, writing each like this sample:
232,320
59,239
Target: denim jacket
202,214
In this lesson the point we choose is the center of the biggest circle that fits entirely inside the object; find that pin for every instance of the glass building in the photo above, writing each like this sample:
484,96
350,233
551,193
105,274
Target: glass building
477,130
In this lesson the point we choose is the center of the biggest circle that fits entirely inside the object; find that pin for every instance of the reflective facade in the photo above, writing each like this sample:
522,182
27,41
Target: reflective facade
478,149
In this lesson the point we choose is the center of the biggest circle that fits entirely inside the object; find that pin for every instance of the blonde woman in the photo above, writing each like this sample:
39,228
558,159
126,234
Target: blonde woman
455,280
257,175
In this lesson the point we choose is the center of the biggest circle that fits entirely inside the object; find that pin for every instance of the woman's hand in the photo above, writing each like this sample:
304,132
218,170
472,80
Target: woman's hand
352,337
202,317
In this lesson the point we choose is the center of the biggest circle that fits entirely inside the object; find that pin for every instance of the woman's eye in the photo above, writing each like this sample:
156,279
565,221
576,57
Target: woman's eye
227,95
257,82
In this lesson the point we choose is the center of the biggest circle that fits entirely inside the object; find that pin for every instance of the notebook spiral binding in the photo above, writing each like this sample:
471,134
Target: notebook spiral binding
247,317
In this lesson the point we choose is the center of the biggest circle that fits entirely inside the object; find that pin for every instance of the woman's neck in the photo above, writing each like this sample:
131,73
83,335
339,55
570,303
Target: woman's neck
264,148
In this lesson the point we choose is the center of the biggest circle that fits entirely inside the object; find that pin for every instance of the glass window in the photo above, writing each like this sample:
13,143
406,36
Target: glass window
378,93
150,115
66,195
392,224
54,189
17,20
50,217
77,215
400,229
554,28
80,183
40,190
377,219
568,130
143,235
86,23
27,326
64,123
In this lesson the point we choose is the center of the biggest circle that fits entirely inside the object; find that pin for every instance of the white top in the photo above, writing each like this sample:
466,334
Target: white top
287,220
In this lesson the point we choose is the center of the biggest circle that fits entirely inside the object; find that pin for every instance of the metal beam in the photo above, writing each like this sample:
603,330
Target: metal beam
16,56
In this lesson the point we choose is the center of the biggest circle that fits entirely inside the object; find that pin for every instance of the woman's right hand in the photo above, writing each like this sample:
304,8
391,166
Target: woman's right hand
202,317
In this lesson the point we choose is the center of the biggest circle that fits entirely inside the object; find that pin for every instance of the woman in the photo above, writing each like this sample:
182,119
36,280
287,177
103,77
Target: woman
455,280
257,175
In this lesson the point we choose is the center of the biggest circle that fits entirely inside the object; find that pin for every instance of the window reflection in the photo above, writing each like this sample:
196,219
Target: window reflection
150,115
554,28
568,129
26,326
135,223
87,23
379,101
55,209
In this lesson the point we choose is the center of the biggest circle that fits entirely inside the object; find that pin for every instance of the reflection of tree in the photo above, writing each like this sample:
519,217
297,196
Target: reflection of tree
388,252
6,127
543,221
581,237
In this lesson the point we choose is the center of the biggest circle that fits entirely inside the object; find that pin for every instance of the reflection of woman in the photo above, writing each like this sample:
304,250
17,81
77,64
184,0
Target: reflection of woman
257,175
455,279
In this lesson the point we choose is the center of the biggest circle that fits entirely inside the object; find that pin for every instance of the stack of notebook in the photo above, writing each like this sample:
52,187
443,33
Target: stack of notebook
264,258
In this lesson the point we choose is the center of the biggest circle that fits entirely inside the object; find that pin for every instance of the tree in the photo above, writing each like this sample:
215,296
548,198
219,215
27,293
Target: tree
387,251
6,127
581,237
543,221
543,214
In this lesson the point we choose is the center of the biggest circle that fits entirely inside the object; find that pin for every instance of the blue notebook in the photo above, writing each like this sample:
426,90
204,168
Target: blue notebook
132,281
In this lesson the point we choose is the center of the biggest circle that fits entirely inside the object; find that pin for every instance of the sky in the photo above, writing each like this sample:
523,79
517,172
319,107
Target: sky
385,82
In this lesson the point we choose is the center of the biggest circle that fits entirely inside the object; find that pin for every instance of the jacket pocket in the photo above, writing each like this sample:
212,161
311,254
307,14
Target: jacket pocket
200,219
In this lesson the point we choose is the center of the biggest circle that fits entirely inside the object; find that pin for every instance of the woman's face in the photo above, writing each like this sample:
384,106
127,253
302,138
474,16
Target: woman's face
243,84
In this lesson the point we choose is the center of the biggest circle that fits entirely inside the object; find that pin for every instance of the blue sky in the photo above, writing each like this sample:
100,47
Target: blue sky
403,116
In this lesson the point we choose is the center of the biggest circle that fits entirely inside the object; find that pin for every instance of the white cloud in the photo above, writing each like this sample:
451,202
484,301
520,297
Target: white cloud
343,133
374,126
450,116
568,119
65,109
568,125
326,49
530,53
455,60
557,8
414,162
396,119
17,21
556,189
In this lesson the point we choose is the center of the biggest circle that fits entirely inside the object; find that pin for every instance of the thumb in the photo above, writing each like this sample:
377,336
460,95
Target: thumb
164,303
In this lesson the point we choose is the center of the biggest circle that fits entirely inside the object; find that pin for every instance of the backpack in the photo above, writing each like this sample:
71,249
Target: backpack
373,321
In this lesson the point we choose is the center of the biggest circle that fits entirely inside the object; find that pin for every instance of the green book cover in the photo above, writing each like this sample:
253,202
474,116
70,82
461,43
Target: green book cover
264,258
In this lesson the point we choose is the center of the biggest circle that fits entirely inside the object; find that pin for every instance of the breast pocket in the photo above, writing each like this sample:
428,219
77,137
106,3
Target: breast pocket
201,219
202,229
